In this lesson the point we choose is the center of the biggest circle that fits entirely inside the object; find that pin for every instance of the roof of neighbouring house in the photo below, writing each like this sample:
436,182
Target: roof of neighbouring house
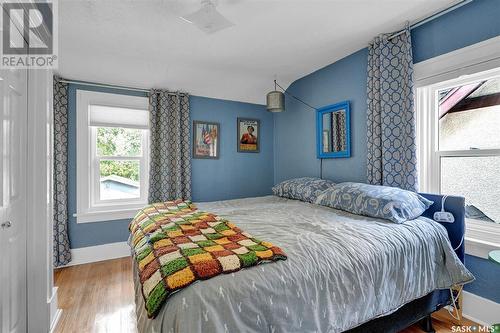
469,97
122,180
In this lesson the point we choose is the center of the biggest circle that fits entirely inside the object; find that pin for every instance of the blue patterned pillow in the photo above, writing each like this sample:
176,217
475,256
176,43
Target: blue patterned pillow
390,203
306,189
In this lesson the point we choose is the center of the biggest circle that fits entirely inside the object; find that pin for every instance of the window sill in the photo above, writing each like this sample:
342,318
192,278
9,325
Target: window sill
109,215
481,238
479,248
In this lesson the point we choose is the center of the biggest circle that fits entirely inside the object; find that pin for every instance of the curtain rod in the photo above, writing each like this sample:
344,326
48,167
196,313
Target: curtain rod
112,86
432,17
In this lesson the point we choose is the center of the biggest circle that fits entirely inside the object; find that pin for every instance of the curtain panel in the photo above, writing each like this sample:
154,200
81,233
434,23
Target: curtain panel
62,253
391,115
170,158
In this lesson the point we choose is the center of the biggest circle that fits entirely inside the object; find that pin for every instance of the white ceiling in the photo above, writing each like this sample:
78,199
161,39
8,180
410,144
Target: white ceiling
145,44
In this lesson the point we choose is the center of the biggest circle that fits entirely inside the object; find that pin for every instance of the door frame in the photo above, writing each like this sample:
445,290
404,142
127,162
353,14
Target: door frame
42,296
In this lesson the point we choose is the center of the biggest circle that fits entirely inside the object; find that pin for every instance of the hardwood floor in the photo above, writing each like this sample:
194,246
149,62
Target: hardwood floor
99,297
96,297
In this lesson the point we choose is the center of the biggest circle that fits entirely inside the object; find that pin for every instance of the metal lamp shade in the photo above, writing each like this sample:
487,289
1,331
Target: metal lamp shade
275,101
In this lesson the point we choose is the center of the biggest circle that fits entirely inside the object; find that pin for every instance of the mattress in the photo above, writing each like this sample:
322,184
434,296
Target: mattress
342,271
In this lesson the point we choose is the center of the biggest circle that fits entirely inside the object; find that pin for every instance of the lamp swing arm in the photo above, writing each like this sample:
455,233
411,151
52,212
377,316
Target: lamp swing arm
293,96
276,99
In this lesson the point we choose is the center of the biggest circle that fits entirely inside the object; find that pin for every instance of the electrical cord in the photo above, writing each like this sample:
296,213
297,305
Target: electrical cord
442,209
320,168
461,242
443,201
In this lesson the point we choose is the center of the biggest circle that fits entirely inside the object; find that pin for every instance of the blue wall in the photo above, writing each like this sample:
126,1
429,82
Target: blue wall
467,25
233,175
345,79
487,276
295,138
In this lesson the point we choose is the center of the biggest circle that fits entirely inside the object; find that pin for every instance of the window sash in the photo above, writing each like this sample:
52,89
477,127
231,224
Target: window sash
95,174
429,155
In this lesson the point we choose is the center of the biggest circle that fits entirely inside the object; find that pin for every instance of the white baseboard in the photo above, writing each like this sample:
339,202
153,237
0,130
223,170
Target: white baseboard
55,321
481,310
55,313
85,255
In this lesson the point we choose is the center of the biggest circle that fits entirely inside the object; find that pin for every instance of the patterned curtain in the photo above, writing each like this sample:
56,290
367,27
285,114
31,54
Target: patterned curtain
391,117
170,166
62,254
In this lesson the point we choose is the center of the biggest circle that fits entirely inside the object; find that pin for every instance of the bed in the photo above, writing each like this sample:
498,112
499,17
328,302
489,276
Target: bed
347,272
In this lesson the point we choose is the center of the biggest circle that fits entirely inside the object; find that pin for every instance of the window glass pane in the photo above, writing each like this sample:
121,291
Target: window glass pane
469,116
476,179
118,141
119,179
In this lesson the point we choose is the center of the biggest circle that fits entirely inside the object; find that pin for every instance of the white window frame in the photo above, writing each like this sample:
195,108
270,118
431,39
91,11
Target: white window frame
478,61
89,206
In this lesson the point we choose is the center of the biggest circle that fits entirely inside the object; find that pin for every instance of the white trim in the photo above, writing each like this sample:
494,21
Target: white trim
479,248
85,255
89,209
39,222
486,232
475,58
109,215
481,310
56,320
55,313
426,137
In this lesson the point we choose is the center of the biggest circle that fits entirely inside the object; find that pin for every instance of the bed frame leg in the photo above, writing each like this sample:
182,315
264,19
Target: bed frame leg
426,324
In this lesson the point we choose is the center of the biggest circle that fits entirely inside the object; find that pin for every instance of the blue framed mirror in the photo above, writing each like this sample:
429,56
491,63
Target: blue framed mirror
333,127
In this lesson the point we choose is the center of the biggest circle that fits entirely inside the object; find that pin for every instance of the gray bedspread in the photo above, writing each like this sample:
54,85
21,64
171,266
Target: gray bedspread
342,270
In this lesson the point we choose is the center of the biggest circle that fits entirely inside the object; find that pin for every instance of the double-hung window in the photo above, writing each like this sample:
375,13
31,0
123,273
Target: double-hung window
112,155
459,148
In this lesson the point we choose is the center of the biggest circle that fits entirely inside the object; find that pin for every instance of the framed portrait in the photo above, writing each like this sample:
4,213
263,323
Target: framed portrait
248,135
206,139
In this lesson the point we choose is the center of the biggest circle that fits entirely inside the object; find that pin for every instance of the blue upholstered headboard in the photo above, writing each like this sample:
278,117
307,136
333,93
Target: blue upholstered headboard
456,230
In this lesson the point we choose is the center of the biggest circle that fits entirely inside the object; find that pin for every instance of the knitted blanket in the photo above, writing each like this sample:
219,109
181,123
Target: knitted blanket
175,244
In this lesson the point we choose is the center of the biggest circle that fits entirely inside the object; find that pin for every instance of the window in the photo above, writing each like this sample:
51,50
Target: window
459,147
112,155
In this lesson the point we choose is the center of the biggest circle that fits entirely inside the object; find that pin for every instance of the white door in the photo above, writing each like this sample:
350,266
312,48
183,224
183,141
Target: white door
13,154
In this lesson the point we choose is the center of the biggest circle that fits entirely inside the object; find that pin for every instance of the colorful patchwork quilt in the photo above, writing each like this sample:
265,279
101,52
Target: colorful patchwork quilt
175,244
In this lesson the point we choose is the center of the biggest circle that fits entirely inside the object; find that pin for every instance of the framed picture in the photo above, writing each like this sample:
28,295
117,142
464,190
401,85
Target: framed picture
205,139
248,135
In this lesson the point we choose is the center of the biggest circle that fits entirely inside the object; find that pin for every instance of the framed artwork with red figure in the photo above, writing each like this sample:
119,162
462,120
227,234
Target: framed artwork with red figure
248,135
205,140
